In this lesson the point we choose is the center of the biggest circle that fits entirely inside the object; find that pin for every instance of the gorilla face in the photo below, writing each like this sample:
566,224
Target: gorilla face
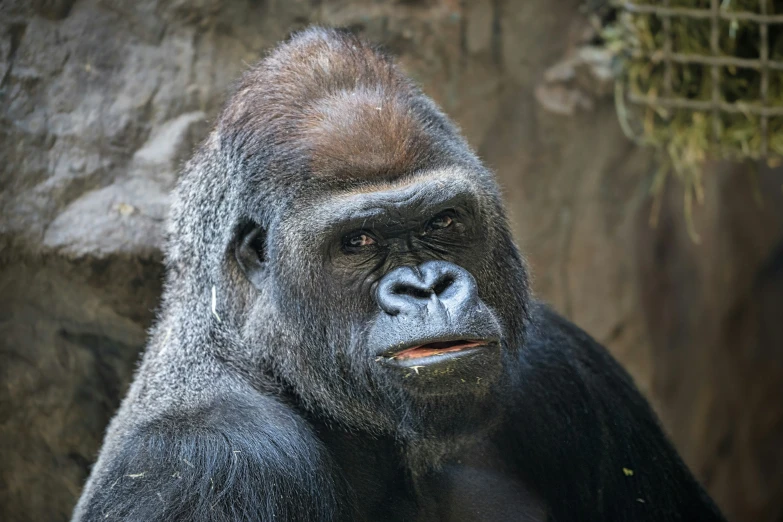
390,307
388,291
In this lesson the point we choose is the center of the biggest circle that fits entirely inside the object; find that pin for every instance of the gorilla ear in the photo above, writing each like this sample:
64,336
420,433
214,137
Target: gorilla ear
251,252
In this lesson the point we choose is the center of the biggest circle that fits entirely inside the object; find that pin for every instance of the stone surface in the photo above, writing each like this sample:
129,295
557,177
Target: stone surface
102,100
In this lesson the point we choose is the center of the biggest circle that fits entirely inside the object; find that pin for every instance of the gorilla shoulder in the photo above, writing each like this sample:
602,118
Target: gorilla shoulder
241,458
567,388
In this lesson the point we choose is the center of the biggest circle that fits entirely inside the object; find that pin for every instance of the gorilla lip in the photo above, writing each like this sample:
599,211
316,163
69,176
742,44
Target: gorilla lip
436,348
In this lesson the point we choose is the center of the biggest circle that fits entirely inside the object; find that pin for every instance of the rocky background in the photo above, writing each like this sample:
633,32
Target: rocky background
101,100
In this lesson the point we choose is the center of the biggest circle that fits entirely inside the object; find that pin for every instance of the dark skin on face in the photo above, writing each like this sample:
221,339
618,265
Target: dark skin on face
403,250
431,320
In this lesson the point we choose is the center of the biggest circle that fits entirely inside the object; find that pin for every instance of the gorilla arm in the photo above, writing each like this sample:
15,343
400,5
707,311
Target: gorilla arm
588,439
248,458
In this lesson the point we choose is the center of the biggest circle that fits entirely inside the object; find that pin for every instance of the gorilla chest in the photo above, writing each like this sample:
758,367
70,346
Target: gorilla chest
479,485
475,492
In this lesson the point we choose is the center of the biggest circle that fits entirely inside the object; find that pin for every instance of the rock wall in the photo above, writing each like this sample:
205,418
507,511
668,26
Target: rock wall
103,99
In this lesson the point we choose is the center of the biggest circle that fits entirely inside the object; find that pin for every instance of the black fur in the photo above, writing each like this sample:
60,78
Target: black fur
606,457
275,386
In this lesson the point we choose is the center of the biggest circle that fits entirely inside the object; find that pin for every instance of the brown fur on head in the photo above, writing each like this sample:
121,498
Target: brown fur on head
364,133
331,106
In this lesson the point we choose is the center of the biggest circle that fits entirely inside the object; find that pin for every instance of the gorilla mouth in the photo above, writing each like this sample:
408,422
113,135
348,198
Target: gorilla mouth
437,348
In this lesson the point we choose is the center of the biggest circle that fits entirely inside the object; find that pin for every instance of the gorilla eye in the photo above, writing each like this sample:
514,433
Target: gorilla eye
359,240
250,252
443,220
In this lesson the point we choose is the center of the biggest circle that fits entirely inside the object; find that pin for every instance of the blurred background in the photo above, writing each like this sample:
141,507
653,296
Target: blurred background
681,277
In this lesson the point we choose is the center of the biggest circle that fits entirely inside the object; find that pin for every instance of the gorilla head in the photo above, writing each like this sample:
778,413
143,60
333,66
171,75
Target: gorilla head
354,243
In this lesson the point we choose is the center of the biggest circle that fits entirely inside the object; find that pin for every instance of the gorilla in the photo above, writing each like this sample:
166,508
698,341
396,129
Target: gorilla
347,332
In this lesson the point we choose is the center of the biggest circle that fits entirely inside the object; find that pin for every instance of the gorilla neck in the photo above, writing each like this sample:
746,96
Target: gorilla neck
426,453
447,425
427,432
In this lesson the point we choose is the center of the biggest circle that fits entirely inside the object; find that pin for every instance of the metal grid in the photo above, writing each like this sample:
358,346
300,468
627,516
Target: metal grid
716,105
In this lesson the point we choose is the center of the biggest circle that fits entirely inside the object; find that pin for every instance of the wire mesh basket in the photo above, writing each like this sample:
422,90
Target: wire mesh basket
701,79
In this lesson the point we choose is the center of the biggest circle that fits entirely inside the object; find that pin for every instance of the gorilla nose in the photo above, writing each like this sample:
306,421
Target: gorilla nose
407,290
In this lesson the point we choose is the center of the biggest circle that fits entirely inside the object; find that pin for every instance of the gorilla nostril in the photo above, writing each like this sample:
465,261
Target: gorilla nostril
420,293
410,290
443,284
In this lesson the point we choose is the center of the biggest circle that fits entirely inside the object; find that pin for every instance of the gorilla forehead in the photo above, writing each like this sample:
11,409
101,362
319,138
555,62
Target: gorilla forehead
364,133
326,104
